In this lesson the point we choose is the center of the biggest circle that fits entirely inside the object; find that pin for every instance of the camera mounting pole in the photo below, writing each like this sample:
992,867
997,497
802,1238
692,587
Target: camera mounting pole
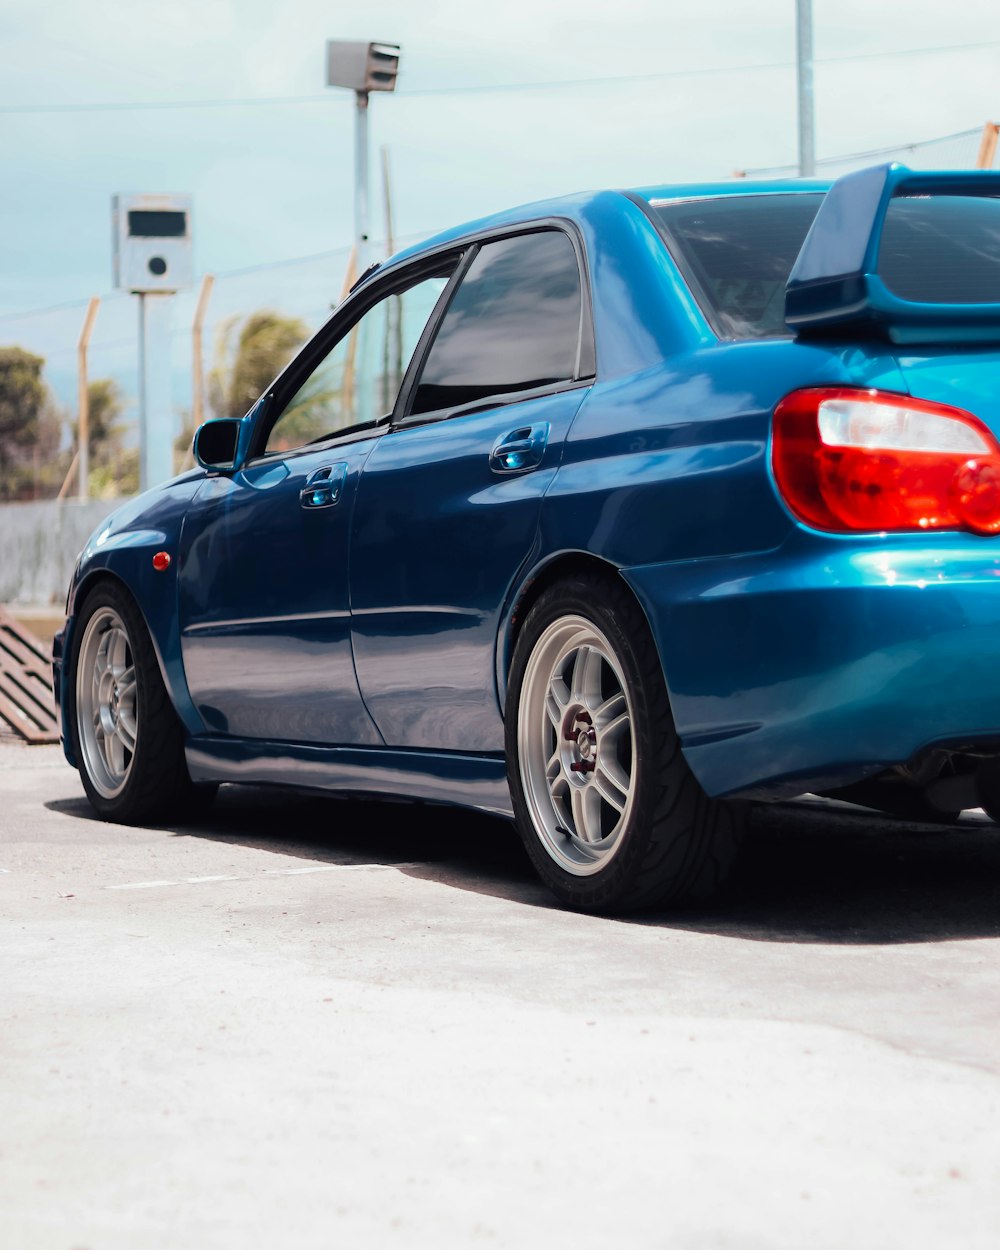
152,259
362,68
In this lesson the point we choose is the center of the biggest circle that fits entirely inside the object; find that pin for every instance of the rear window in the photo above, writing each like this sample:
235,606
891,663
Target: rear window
736,253
942,249
513,324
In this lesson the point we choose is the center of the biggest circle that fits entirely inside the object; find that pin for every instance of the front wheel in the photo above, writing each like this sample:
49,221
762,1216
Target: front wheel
128,741
609,811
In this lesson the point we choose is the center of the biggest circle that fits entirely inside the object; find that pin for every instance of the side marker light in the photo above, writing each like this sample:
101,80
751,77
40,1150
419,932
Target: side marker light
161,561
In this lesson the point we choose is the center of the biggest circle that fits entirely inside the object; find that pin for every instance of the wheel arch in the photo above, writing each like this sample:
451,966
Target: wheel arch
541,579
173,680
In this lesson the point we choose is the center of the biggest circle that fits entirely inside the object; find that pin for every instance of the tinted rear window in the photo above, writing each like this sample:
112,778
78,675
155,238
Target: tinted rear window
736,253
942,249
513,324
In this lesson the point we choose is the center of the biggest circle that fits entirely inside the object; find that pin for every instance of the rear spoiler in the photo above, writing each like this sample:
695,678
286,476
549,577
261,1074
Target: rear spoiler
834,286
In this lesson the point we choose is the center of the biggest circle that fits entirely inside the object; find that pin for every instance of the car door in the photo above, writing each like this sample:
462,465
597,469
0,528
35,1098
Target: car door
449,499
263,583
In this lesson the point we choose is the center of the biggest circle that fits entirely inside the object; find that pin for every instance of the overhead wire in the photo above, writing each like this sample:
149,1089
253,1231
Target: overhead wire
458,89
556,84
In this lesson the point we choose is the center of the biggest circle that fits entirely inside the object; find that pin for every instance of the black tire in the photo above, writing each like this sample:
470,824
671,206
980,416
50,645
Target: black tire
155,786
670,844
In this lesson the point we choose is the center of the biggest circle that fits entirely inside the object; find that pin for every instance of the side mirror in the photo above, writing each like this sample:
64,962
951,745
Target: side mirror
216,443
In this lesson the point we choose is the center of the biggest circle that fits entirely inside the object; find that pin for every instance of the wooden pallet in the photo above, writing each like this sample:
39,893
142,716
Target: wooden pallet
27,703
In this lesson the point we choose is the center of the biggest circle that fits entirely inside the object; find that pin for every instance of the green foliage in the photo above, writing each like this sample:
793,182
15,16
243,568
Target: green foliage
105,407
114,469
31,466
116,477
315,410
249,355
183,455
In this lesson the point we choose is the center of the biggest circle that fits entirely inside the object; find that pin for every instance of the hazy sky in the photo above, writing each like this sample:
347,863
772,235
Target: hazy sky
275,180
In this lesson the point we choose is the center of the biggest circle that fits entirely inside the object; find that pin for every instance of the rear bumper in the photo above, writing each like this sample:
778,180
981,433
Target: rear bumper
828,660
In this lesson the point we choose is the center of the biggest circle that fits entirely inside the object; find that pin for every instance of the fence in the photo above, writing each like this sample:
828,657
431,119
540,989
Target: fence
39,541
306,287
39,544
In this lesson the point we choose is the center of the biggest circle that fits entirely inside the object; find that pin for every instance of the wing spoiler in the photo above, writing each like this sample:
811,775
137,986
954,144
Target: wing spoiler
835,287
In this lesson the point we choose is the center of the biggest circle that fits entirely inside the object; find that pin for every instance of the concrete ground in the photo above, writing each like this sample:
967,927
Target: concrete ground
309,1023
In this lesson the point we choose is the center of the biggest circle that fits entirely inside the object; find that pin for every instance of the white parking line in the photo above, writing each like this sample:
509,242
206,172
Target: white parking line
141,885
266,872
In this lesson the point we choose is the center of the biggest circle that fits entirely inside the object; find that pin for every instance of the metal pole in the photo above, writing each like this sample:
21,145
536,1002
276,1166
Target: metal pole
361,180
394,307
156,450
804,71
83,396
390,242
197,368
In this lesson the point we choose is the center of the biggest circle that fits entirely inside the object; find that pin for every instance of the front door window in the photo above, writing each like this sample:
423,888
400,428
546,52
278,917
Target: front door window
357,382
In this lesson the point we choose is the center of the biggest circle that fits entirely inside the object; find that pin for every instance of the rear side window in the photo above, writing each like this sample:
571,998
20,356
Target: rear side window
736,253
513,324
942,249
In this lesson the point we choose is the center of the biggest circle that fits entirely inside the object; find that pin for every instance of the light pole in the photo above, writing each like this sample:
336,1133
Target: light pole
362,68
804,75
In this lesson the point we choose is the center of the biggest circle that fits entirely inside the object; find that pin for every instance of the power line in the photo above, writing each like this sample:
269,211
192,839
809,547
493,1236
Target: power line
488,88
225,273
220,275
53,308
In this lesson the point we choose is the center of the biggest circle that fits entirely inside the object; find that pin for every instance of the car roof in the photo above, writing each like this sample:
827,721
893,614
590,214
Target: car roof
572,205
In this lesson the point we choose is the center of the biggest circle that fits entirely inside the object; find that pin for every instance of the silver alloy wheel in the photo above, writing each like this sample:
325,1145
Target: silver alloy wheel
106,702
576,745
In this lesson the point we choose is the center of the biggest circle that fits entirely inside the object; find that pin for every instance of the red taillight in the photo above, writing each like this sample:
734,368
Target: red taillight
868,460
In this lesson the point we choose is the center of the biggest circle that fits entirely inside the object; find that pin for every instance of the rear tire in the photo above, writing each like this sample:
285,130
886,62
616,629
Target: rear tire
127,739
611,816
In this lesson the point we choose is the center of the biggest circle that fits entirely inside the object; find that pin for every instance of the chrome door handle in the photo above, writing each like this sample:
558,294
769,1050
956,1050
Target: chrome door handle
324,486
521,449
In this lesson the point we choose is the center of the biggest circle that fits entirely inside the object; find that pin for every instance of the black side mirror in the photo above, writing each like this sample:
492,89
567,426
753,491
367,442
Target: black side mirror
216,443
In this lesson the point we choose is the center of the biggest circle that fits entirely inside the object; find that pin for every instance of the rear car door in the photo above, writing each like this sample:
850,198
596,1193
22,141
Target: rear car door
449,500
263,584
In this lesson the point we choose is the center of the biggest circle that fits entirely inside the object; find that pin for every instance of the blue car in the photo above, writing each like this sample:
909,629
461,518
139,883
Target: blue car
606,514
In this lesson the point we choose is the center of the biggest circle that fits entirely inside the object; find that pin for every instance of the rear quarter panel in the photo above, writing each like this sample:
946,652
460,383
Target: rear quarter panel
666,476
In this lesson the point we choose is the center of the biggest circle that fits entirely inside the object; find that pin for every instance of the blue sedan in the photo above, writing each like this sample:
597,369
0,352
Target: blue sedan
604,514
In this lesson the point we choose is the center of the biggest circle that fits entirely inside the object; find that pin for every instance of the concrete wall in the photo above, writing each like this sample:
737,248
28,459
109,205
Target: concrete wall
39,544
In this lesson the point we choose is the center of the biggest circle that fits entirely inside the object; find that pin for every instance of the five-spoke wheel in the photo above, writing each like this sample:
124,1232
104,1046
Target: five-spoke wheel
610,814
126,736
106,701
576,745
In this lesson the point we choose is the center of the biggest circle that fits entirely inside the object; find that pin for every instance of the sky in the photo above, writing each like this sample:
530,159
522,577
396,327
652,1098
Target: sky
697,91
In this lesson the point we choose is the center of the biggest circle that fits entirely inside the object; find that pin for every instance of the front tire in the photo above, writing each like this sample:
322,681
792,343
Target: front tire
127,738
610,814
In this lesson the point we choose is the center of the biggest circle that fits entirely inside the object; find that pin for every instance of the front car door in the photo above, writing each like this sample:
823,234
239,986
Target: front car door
263,586
449,500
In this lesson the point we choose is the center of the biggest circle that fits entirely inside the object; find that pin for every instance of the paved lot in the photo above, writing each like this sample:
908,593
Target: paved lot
307,1023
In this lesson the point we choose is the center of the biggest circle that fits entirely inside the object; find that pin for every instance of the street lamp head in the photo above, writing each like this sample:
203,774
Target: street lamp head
360,66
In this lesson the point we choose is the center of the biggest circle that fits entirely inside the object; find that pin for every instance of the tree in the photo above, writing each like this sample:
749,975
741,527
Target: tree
114,469
249,355
24,400
104,408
